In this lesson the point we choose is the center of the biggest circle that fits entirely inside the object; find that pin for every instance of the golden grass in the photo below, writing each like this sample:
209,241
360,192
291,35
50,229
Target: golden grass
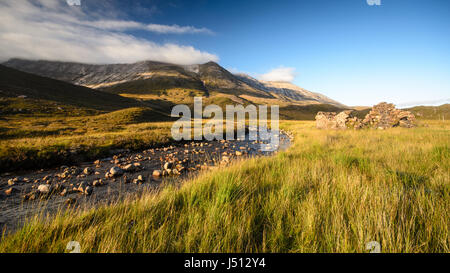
332,191
46,141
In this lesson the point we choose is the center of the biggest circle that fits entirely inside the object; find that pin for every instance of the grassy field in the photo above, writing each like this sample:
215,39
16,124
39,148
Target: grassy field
29,142
332,191
432,112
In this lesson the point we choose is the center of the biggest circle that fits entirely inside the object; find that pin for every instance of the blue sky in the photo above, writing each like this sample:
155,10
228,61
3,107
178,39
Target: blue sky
348,50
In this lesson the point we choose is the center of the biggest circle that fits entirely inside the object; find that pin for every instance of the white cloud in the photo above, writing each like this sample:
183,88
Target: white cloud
234,70
280,74
176,29
424,103
129,25
52,30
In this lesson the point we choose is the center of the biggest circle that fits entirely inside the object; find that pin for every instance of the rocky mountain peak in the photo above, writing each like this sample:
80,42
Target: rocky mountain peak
150,77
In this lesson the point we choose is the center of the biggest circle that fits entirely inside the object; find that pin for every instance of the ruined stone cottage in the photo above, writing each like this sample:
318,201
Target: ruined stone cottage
381,116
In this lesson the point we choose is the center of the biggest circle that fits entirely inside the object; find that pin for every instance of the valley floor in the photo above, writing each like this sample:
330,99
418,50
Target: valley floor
332,191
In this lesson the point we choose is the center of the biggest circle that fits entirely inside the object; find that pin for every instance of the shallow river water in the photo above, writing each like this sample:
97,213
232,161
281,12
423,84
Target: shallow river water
67,184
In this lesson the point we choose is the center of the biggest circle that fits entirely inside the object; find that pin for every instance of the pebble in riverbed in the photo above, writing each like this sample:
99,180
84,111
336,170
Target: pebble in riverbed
147,166
115,171
157,173
10,191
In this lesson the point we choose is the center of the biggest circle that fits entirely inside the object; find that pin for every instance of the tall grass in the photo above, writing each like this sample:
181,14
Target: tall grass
49,141
332,191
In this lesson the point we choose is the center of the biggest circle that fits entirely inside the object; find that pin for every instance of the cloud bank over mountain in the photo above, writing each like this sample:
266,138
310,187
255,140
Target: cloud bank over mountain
133,25
280,74
53,30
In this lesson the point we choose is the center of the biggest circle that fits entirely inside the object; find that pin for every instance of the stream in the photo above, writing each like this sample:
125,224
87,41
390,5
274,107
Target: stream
123,175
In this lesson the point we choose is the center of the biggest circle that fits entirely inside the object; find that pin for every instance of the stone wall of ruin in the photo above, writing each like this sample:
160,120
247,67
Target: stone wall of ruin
381,116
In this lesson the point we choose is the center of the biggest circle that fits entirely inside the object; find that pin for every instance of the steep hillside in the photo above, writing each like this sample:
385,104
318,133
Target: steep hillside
35,94
431,112
306,112
145,77
216,78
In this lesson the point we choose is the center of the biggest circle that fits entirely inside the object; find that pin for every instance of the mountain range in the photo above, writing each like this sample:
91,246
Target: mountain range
164,79
66,88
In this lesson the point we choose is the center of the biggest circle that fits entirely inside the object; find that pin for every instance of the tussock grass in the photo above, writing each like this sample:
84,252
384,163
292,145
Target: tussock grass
332,191
46,141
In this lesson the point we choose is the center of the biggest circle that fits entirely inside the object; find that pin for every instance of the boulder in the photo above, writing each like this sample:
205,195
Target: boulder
157,173
88,190
87,171
115,171
168,165
129,168
44,188
97,183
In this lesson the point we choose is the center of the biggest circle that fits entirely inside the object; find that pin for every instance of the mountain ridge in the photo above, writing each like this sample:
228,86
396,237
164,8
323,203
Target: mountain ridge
34,94
150,77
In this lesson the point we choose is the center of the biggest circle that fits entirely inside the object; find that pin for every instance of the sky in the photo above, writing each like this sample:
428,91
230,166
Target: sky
353,52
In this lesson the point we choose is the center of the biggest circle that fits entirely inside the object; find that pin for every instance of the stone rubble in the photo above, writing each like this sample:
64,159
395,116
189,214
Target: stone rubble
381,116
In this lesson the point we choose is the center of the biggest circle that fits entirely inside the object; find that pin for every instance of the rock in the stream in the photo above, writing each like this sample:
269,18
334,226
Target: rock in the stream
115,171
47,177
128,168
87,171
14,180
168,165
97,183
44,188
156,173
88,190
63,192
82,187
132,167
11,191
30,196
